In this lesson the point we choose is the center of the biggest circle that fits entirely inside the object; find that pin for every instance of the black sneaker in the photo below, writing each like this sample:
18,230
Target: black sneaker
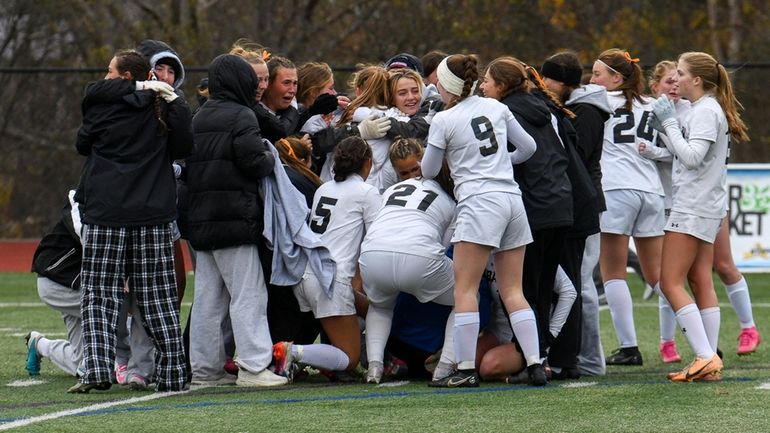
536,375
566,373
458,379
85,388
625,356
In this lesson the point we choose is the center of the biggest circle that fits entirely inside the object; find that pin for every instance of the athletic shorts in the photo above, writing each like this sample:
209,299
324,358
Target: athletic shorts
312,297
495,219
632,212
705,229
387,273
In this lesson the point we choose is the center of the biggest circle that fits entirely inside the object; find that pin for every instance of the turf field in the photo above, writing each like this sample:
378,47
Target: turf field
628,399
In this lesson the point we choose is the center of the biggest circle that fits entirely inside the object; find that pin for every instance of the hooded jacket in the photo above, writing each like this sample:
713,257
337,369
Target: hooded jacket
220,205
127,179
59,255
592,109
155,50
545,187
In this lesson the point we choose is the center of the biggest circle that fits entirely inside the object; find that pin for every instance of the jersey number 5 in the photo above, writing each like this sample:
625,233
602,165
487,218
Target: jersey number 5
488,133
323,210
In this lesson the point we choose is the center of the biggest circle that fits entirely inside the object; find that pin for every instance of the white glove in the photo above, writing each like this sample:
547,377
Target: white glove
374,127
163,89
664,109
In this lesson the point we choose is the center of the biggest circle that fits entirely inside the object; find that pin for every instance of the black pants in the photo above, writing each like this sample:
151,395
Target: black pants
541,260
566,347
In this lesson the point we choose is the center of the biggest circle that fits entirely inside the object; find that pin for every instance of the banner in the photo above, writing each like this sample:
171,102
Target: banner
748,188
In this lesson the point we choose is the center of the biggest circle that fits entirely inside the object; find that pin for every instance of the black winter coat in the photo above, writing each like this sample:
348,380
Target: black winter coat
545,187
589,124
221,205
59,255
127,179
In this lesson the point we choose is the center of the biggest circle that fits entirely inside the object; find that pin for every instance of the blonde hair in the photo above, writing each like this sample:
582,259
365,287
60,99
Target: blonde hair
312,77
716,80
659,71
396,74
250,51
375,92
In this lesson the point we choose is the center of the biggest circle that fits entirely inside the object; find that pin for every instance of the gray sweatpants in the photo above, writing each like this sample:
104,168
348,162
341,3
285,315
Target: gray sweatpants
591,356
65,354
229,279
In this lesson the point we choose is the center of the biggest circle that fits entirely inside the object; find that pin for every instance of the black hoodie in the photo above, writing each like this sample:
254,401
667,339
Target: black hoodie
545,188
221,205
154,51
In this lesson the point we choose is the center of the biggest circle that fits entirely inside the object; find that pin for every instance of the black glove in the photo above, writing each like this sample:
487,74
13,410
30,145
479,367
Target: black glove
324,104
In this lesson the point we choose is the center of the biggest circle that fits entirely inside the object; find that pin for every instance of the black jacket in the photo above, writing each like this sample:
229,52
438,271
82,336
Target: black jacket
59,255
589,124
221,205
127,179
545,187
276,126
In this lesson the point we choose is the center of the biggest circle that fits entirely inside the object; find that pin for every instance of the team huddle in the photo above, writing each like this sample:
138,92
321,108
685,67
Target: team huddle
442,222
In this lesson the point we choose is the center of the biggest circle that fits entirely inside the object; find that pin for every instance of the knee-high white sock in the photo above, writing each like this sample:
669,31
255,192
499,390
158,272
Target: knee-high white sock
323,356
466,333
622,311
667,320
525,329
43,347
711,318
741,302
378,322
691,323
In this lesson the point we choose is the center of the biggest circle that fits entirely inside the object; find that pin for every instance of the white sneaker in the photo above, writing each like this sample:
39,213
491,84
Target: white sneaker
227,379
374,372
263,378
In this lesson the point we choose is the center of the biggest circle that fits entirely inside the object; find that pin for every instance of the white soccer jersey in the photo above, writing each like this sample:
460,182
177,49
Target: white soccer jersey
622,165
474,136
703,191
342,213
413,218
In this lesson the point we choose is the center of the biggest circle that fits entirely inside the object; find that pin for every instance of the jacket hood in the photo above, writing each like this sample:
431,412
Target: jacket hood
232,78
592,94
159,50
529,106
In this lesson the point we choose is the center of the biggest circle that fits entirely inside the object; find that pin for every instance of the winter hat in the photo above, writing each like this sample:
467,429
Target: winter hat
404,60
159,52
568,75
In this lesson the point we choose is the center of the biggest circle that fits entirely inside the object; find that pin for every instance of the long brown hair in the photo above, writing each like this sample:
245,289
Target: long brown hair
621,62
139,67
375,91
517,77
292,152
312,77
716,80
465,66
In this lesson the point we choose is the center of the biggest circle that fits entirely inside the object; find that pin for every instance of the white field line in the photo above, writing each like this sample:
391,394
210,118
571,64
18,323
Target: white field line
61,414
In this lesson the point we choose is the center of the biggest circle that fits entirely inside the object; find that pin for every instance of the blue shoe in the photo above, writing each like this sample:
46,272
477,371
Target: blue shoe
33,358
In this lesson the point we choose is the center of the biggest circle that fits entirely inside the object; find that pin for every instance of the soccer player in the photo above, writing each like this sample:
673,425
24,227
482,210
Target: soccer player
473,133
699,204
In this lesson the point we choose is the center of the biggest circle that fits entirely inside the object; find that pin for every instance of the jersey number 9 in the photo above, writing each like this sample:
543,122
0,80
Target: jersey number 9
488,133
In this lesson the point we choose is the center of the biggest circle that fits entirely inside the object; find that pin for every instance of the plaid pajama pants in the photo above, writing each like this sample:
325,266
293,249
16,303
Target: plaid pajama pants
111,256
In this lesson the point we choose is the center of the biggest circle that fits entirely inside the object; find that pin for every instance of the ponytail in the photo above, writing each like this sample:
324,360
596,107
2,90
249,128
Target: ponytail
535,78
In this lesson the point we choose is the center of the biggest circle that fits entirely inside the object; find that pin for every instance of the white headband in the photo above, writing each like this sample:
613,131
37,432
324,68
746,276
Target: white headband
611,68
449,81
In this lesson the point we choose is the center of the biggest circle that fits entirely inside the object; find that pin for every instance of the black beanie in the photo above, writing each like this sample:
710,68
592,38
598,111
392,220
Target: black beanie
567,75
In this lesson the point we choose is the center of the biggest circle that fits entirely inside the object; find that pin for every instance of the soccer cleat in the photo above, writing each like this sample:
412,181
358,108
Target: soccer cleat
458,379
668,352
566,373
625,356
138,383
375,372
85,388
264,378
699,370
748,341
33,358
121,374
283,358
536,375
